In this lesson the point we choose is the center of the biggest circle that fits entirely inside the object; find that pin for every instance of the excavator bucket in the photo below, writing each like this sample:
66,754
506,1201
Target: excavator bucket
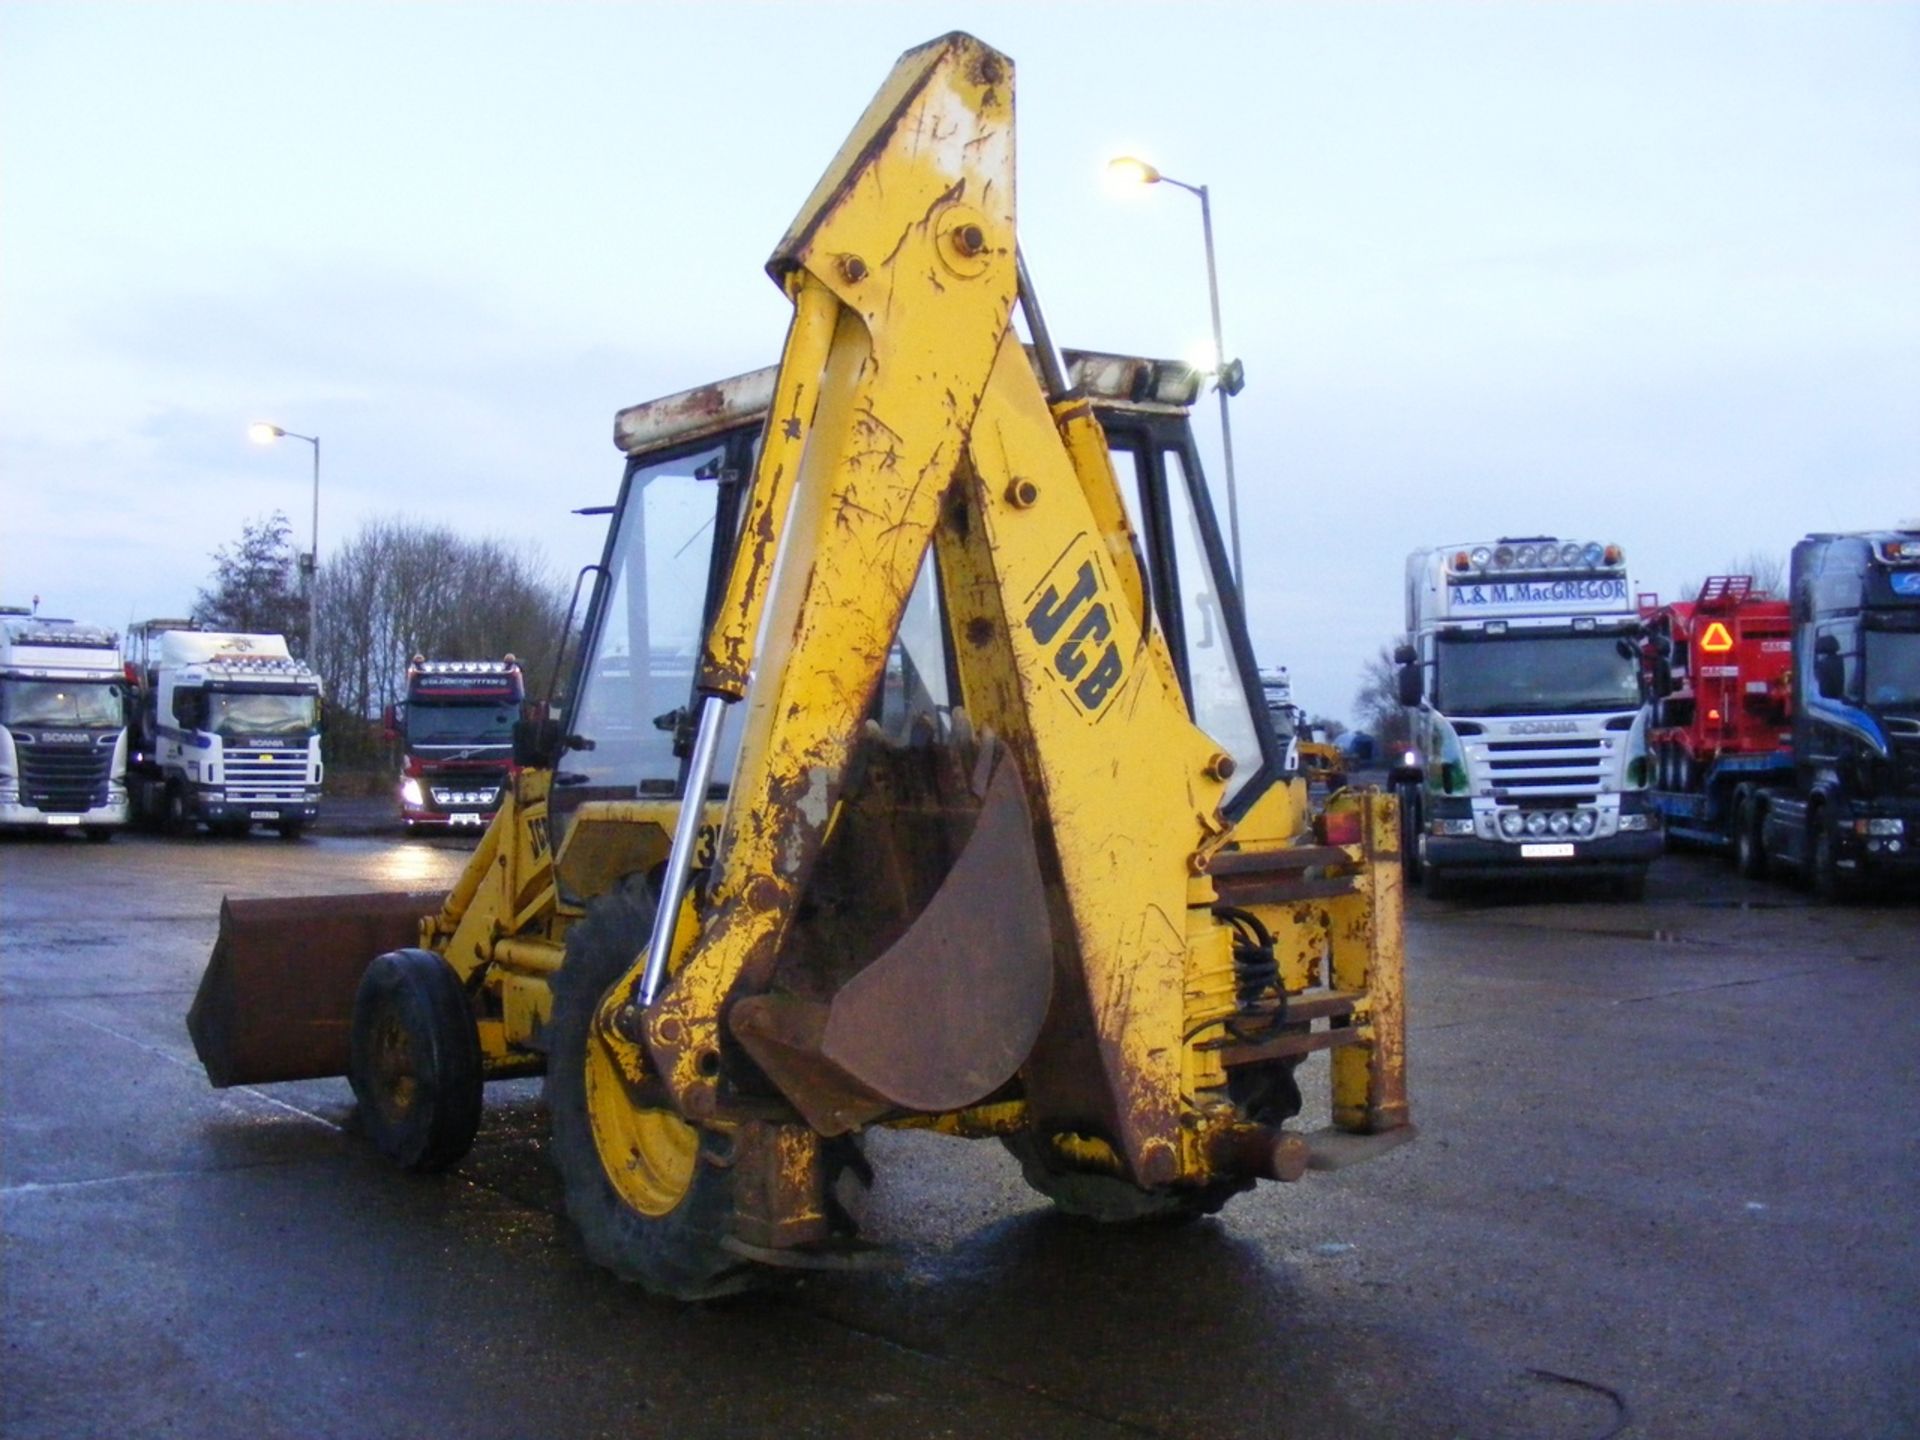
276,1002
948,1010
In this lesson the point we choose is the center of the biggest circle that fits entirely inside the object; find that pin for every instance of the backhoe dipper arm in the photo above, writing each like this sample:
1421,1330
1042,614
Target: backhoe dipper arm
928,424
910,236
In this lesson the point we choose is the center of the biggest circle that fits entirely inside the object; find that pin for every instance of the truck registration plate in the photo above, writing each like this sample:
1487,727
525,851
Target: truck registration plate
467,819
63,819
1548,850
263,814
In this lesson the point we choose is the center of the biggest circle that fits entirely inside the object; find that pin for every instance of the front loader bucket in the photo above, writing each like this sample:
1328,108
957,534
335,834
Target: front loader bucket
276,1002
947,1013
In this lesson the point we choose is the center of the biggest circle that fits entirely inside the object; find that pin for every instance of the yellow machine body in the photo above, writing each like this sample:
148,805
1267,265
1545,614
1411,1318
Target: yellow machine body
1048,905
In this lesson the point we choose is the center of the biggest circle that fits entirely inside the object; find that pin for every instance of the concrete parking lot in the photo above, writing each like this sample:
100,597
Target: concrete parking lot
1666,1185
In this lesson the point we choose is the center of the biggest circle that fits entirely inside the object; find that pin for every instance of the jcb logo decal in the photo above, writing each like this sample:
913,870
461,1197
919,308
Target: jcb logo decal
1072,620
537,839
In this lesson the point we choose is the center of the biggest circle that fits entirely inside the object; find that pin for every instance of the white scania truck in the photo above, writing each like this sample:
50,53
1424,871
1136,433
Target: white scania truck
227,731
1522,685
63,734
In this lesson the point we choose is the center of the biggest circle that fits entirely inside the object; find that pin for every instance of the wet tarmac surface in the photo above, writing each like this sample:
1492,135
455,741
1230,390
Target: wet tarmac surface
1666,1185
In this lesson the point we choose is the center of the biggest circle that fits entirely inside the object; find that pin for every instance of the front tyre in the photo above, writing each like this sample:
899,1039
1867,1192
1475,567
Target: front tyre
1749,844
1410,867
415,1061
642,1187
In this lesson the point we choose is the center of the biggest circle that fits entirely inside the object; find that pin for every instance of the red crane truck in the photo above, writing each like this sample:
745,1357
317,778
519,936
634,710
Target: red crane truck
1721,668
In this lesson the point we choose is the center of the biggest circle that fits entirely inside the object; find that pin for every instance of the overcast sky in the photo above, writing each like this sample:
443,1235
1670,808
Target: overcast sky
1647,274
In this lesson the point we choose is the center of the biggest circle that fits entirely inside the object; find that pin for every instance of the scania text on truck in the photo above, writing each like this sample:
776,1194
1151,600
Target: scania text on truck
63,735
456,732
1527,717
1850,814
1719,669
227,731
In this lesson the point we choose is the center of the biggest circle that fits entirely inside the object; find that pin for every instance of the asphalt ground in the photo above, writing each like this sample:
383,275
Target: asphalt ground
1666,1185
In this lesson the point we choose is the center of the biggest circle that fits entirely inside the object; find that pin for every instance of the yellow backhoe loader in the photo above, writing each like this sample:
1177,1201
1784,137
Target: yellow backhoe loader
914,772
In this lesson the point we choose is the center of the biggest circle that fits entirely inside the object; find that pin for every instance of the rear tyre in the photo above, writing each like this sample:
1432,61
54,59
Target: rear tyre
645,1191
1108,1199
415,1061
1749,845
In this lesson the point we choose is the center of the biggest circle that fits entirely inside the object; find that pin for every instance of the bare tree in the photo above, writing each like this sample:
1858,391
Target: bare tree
400,588
252,589
1377,703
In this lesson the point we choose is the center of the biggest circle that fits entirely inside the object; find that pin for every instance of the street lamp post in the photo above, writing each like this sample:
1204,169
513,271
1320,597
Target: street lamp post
262,433
1228,377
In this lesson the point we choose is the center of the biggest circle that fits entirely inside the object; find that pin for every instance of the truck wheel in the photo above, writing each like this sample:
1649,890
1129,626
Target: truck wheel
1749,843
177,819
415,1061
1439,884
1108,1199
649,1201
1823,869
1410,866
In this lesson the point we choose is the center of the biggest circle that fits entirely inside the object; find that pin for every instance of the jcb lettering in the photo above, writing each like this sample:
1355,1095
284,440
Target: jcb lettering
537,836
1068,659
1092,692
1076,627
1046,618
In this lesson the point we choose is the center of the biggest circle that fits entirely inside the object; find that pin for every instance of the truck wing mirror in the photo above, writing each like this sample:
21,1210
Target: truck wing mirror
1403,655
1663,685
1828,675
537,743
1409,684
1827,645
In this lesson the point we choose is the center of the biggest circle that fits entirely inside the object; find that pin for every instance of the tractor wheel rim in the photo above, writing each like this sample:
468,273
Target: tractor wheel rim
648,1154
396,1077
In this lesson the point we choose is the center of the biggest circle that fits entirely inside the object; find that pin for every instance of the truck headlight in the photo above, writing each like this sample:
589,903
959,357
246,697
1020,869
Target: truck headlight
1880,825
410,792
1636,822
1584,822
1452,827
1513,824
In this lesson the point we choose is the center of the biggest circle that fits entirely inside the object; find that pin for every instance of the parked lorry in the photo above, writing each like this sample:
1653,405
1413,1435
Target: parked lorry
975,824
63,733
1527,717
1719,667
456,733
226,731
1847,813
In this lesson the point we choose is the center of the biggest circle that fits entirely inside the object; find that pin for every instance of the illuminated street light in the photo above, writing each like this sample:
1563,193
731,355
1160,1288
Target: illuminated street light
1229,376
263,433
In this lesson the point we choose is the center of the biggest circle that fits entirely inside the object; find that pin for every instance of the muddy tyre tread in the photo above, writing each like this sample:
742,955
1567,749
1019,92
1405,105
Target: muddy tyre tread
680,1254
434,1128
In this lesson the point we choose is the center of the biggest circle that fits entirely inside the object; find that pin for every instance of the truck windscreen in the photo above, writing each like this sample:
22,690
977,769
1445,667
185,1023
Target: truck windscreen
1892,667
238,713
60,702
483,722
1518,674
